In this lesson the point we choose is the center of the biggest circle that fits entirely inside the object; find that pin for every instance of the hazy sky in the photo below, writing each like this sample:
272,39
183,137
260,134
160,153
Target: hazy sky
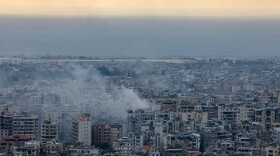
140,27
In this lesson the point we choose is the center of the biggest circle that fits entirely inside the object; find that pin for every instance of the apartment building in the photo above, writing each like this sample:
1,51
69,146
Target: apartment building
25,124
81,129
49,131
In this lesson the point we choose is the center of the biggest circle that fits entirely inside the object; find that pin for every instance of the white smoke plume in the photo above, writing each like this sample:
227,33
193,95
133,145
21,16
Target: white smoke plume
86,90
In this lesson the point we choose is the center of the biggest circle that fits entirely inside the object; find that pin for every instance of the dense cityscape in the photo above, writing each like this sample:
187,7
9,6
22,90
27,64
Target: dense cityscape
79,106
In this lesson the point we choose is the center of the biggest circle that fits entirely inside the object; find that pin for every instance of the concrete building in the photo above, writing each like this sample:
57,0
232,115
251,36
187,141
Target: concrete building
9,144
169,105
49,131
272,151
26,125
276,134
227,114
116,132
84,151
268,117
123,146
245,114
30,148
101,134
63,117
158,130
52,147
105,133
6,125
211,137
81,129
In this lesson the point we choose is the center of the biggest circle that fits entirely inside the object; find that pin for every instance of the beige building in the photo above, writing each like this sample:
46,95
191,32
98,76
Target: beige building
116,132
244,114
269,117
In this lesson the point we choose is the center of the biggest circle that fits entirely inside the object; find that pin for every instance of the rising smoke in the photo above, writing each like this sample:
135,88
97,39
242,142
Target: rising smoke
86,90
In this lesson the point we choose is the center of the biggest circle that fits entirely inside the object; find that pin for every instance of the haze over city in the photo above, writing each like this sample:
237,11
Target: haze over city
139,77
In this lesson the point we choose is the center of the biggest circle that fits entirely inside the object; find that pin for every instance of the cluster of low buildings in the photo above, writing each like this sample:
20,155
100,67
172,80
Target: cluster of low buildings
177,128
186,128
21,135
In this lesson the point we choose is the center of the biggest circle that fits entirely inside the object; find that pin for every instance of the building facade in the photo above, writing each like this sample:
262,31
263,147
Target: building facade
81,129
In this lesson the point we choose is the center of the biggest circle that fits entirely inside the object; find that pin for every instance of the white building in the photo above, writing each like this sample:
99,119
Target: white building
81,129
